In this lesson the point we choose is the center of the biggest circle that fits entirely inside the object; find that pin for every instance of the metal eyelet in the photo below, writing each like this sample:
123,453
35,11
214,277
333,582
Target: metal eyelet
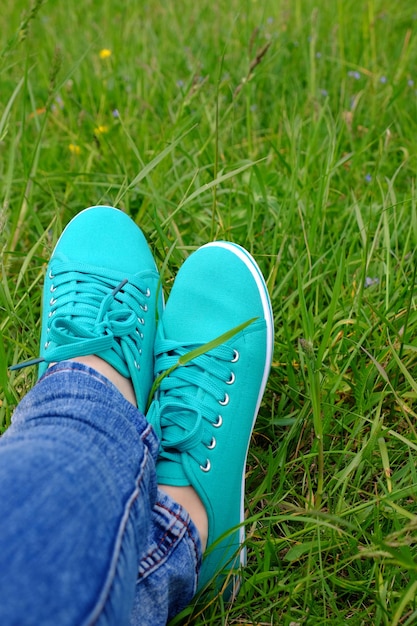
218,422
236,356
51,276
51,313
148,293
212,444
141,320
52,301
226,400
206,467
231,379
144,307
137,365
46,345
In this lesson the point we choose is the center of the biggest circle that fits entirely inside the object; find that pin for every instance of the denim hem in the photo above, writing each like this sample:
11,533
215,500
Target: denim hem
168,573
177,525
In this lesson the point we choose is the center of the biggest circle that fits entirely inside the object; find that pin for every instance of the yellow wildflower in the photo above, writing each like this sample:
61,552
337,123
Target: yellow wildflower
105,53
100,130
74,148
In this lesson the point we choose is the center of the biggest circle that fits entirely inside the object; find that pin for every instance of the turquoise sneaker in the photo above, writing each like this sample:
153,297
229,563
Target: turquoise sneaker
101,296
204,412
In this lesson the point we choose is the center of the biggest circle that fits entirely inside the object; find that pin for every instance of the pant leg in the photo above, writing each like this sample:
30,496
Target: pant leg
168,572
77,490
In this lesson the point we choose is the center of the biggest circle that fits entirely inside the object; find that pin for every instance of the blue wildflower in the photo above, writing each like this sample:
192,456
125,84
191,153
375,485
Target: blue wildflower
369,281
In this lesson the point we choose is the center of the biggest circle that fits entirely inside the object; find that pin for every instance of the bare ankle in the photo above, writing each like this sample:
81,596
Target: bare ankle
188,498
124,385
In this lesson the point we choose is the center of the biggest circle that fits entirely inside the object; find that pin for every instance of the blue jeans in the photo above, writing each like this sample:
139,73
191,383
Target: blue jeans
85,535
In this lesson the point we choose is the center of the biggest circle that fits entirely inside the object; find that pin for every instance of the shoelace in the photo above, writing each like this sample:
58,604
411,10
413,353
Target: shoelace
189,401
91,313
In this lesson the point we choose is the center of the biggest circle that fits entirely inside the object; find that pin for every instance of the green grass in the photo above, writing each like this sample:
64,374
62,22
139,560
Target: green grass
289,128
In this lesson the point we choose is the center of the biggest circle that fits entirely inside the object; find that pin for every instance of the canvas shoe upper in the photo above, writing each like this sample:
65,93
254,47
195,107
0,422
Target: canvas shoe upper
204,411
101,295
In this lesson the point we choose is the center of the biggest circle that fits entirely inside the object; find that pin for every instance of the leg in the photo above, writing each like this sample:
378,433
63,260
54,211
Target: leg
78,487
77,465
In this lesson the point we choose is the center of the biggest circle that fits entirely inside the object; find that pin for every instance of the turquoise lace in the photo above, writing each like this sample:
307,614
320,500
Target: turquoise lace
92,313
187,407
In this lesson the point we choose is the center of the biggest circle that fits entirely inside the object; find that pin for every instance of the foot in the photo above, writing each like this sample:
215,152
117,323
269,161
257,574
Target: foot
101,296
204,411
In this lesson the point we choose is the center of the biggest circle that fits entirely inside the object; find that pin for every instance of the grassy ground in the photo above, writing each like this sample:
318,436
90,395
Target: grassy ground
290,128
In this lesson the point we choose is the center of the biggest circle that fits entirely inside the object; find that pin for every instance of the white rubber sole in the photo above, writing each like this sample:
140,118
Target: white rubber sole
254,269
